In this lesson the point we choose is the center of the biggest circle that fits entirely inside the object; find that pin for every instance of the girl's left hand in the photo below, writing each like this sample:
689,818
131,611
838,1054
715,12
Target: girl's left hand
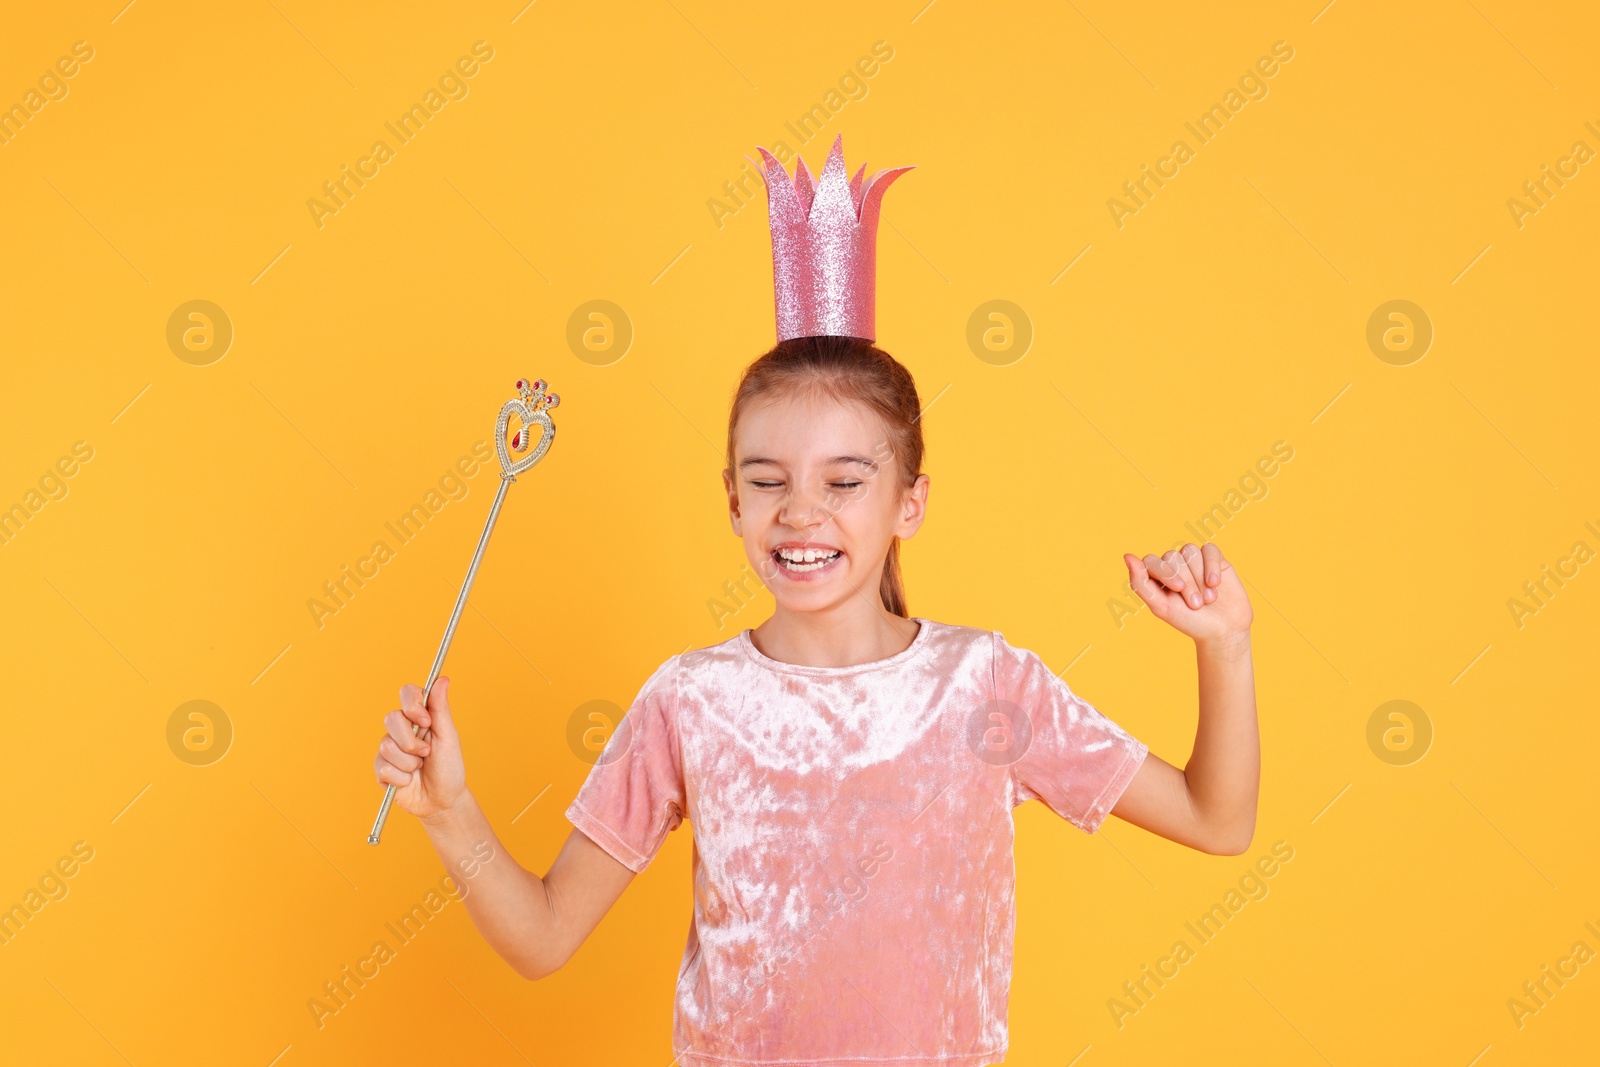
1193,590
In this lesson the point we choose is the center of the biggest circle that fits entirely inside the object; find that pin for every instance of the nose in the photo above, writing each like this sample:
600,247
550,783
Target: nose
804,509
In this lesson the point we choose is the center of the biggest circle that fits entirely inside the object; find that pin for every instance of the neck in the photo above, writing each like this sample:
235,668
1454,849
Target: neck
856,631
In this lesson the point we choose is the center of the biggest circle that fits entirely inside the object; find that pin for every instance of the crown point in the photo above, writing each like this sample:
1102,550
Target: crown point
855,189
835,160
783,202
770,167
804,186
872,198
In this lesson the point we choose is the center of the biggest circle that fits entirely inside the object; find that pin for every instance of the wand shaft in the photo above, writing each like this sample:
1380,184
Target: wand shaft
444,646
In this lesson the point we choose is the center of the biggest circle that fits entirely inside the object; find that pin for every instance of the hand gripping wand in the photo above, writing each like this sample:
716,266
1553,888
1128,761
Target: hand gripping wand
530,407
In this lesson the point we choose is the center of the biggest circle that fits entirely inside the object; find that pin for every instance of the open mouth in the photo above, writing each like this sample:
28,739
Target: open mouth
805,560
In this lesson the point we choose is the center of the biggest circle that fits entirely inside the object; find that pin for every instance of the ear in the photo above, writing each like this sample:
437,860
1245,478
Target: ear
913,508
733,503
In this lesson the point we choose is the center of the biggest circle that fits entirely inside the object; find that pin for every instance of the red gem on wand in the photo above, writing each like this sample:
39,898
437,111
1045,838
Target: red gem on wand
516,440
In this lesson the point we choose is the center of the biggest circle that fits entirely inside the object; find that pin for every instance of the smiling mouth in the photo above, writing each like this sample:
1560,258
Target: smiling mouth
804,560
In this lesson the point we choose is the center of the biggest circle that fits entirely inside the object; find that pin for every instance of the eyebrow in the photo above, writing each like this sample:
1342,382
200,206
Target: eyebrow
754,461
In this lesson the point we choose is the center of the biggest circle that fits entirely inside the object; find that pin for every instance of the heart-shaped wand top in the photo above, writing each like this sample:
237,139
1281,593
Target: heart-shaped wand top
530,407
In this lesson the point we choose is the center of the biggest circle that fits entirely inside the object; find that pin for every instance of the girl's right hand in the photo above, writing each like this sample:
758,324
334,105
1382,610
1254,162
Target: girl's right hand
428,775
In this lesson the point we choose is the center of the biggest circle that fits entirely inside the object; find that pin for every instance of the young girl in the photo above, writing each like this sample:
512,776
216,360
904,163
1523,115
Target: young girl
849,771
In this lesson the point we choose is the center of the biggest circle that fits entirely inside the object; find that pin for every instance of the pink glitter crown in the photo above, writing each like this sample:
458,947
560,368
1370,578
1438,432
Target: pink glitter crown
824,245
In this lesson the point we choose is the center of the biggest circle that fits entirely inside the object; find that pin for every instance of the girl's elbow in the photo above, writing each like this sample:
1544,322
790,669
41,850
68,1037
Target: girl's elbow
534,967
1233,848
533,971
1234,842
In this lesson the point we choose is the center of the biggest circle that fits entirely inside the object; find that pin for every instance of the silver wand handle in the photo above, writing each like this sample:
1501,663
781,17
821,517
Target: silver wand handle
531,409
444,646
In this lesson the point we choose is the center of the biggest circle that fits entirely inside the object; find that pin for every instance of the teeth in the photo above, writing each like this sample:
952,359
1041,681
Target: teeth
801,560
806,555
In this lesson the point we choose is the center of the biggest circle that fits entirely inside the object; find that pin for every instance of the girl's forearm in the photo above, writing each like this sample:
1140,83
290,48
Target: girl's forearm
1224,770
507,902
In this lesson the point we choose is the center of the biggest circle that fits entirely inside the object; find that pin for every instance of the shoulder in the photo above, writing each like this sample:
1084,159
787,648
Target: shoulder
956,650
950,635
976,639
1015,667
983,657
696,675
1004,649
723,654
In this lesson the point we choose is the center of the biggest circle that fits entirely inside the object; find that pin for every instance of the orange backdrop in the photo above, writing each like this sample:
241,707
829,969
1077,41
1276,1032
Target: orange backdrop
1308,282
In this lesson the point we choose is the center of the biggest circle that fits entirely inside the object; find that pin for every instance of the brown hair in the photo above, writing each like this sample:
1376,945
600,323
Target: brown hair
844,368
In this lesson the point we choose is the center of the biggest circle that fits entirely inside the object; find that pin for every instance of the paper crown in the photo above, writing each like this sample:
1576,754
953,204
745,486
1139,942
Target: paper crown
824,245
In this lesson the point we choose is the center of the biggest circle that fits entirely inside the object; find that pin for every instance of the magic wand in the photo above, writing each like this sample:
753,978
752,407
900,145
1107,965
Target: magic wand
531,408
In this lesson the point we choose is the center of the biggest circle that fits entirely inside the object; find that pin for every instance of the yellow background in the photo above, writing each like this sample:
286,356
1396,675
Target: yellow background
1228,314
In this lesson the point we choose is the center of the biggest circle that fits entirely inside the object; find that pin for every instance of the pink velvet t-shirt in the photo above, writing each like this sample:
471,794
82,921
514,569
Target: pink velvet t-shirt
853,879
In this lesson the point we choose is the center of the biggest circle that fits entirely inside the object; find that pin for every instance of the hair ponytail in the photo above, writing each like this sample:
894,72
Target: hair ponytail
845,368
890,588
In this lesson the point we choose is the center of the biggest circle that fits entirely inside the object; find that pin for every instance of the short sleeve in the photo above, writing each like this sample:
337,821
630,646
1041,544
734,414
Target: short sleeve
1074,759
634,794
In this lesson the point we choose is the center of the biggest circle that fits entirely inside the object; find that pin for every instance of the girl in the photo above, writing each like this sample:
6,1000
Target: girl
849,771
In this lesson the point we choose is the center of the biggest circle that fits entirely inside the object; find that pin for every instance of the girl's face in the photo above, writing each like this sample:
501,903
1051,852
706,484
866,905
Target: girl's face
817,494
